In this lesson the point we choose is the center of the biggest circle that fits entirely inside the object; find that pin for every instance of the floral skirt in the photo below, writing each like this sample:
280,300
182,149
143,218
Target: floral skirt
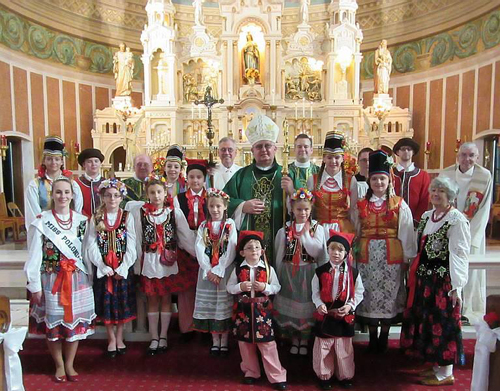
119,307
187,276
293,305
155,286
431,327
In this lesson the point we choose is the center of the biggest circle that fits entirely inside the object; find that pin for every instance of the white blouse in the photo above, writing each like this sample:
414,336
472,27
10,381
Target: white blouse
314,245
459,238
406,232
225,259
336,183
151,266
94,255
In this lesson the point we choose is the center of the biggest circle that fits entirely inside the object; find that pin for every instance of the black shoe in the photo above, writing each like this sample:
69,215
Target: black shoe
383,342
214,350
162,349
152,351
280,386
224,351
111,353
373,346
121,351
325,384
249,380
465,321
346,383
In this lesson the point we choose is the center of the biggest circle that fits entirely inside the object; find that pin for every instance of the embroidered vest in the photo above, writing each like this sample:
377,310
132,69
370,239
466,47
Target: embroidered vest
149,233
51,256
253,319
333,206
436,244
184,204
223,242
291,245
90,193
120,242
380,224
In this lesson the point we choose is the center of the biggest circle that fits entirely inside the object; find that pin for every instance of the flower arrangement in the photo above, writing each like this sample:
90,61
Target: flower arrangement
159,164
350,166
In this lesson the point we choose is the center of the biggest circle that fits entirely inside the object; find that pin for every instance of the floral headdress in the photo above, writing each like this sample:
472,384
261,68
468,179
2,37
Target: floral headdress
115,184
213,192
303,194
154,177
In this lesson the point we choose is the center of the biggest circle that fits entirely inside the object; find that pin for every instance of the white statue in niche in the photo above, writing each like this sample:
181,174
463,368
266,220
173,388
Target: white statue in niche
383,66
304,10
162,71
198,12
123,69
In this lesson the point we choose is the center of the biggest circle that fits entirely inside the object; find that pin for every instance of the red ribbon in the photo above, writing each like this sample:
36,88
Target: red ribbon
160,235
412,279
297,255
201,214
113,262
62,285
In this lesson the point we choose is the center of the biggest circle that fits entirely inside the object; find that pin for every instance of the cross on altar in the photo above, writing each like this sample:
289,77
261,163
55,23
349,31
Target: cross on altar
209,101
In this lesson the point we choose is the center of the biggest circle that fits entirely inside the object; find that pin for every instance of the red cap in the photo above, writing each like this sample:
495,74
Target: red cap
344,238
246,236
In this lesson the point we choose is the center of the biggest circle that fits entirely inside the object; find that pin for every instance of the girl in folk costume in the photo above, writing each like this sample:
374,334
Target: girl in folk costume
299,249
160,230
336,291
61,292
176,183
40,189
331,187
431,323
215,250
111,247
253,281
193,205
386,241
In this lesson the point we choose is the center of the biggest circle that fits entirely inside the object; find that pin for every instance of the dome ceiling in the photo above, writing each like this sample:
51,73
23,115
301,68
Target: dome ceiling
112,21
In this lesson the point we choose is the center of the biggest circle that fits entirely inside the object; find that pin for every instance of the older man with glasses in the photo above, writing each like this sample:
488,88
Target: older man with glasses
474,201
227,167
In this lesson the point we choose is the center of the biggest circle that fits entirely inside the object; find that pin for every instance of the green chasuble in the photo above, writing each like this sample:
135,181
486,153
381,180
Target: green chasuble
250,182
301,175
135,191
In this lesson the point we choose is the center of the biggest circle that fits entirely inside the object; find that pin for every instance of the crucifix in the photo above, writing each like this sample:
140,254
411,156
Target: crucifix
209,101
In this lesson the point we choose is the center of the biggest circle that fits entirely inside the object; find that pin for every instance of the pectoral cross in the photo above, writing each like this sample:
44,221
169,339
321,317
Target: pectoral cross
209,101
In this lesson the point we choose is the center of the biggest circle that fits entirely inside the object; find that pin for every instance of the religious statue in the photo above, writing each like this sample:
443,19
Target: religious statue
210,80
291,89
251,61
123,68
383,66
304,10
162,70
198,12
190,88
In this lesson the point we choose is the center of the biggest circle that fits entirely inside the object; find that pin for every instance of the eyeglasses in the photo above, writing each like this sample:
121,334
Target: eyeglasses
112,196
228,150
252,248
264,146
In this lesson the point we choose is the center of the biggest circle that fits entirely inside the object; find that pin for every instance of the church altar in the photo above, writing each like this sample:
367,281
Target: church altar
253,68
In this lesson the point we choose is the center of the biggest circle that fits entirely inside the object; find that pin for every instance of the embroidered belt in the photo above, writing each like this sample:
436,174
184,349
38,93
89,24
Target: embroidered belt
246,299
429,269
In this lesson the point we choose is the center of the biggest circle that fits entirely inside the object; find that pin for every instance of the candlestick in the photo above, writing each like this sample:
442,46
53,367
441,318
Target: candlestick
272,96
120,167
229,97
428,147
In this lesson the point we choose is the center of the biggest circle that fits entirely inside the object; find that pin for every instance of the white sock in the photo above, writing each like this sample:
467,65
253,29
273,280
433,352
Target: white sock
165,322
223,339
153,318
444,372
215,339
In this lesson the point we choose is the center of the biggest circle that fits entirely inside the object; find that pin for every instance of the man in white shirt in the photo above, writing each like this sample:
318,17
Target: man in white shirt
226,168
474,201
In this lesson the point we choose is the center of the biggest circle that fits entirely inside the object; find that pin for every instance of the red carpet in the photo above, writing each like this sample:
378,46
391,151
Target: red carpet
188,367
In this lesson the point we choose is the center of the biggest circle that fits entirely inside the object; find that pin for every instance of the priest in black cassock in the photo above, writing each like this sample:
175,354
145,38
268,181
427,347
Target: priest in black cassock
256,190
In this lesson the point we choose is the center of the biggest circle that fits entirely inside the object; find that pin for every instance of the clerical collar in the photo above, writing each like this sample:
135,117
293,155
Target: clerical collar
411,167
196,194
90,179
303,165
469,172
264,168
137,179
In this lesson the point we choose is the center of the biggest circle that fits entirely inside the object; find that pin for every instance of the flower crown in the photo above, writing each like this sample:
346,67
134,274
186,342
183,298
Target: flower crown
302,194
154,177
213,192
114,183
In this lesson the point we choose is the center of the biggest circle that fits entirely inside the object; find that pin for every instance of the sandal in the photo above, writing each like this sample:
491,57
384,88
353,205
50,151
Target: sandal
152,350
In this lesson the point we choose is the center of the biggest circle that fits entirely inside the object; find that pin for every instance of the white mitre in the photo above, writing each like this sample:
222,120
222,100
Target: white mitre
262,128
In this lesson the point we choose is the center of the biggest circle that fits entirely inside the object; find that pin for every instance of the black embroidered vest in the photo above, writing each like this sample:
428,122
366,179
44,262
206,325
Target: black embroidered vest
291,245
120,241
149,233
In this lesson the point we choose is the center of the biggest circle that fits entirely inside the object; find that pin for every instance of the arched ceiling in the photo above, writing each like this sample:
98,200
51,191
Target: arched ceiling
113,21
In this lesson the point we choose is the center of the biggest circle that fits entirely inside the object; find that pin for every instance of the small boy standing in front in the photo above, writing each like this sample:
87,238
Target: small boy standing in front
253,281
336,291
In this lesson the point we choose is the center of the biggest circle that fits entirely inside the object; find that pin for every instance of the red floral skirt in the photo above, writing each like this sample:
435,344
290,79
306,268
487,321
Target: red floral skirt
187,276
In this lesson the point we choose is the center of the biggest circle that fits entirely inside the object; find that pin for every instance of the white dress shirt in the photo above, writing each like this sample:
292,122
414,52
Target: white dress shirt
273,287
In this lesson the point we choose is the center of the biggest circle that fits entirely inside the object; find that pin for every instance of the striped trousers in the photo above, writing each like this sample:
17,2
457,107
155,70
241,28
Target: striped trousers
333,356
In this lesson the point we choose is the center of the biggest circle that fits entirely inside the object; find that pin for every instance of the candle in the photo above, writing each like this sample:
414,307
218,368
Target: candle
77,147
4,141
128,167
273,98
428,146
311,110
229,98
120,167
296,110
303,107
192,111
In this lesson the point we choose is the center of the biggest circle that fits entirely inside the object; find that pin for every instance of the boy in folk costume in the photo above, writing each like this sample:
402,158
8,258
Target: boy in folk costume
193,204
90,159
299,248
336,291
176,183
215,251
111,247
331,187
253,281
